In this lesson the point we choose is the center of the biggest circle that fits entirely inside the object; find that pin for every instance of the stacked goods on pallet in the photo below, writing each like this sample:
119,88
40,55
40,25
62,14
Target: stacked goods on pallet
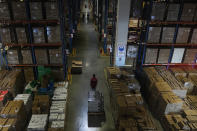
58,108
168,35
38,34
9,124
27,58
36,10
40,104
163,55
55,56
126,102
173,11
5,35
29,74
19,10
41,56
76,67
96,113
151,55
15,110
4,12
21,35
190,56
177,87
12,57
194,37
27,99
38,123
58,74
51,10
5,96
177,55
183,35
188,12
13,81
154,34
158,11
53,34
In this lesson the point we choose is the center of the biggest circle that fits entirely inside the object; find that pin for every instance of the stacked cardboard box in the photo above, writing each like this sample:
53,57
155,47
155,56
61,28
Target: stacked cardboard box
41,60
194,37
36,10
40,104
58,74
168,35
38,34
29,74
173,11
188,12
4,12
163,55
12,56
151,55
76,67
55,56
19,10
15,110
53,34
21,35
158,11
58,107
27,99
183,35
13,81
27,58
190,56
177,87
5,35
51,10
38,123
127,104
154,34
9,124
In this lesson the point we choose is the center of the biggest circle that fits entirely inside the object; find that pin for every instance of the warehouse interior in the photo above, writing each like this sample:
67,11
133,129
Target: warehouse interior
98,65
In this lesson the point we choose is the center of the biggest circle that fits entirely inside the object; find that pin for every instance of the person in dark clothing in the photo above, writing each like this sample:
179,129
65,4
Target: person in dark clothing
93,82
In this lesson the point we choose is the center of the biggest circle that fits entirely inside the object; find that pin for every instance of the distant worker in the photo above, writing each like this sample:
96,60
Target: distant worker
93,82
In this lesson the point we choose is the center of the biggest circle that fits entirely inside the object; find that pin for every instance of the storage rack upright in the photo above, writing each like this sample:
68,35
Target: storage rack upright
182,22
28,23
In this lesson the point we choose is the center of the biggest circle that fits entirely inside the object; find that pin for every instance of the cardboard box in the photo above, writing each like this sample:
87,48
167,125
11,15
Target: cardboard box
19,10
12,57
55,56
40,104
38,122
51,10
41,56
38,34
21,35
53,34
27,57
5,35
4,12
36,10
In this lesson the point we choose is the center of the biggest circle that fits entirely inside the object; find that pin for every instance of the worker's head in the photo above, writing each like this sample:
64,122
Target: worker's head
94,75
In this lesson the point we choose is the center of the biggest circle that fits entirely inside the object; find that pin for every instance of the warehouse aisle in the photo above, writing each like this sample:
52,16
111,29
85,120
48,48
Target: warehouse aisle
87,51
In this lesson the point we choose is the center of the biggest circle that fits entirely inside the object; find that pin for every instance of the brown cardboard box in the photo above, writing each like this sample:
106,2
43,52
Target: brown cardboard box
38,34
154,34
164,55
19,10
29,74
51,10
55,56
5,35
27,57
168,35
158,11
36,10
190,56
173,11
12,57
188,12
41,56
151,55
183,35
40,104
21,35
4,12
194,37
53,34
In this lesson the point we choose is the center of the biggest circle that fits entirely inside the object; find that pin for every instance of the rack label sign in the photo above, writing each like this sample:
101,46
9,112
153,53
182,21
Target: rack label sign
121,50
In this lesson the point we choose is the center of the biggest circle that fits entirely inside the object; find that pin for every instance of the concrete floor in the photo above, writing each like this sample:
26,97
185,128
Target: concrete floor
87,51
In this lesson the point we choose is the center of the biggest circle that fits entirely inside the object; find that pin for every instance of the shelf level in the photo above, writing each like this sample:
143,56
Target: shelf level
33,65
172,23
35,45
175,45
11,22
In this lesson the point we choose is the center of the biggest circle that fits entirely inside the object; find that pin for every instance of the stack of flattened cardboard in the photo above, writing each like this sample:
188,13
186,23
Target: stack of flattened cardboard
13,81
177,87
15,110
40,104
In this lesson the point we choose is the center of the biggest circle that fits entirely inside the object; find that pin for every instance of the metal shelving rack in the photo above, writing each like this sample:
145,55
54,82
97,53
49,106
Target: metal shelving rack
149,23
29,22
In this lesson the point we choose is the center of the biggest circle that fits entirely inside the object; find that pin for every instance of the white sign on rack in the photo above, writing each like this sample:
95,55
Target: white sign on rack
121,50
